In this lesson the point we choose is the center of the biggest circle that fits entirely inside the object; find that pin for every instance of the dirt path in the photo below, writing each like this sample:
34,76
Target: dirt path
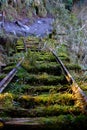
40,27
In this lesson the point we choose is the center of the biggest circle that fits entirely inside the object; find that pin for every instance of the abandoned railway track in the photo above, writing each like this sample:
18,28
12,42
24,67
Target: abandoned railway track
40,92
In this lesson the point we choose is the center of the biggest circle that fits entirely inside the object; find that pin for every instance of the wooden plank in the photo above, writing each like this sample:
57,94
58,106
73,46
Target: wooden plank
27,123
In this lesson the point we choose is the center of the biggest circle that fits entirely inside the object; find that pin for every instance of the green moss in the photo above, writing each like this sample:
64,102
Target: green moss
83,85
43,66
6,100
43,55
66,121
73,67
32,39
8,68
22,89
50,110
20,44
29,101
2,76
44,79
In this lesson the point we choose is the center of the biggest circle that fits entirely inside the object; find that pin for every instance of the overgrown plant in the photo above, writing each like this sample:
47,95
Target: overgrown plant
71,31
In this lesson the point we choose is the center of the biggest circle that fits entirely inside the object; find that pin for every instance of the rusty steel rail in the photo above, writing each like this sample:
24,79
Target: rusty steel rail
78,93
4,82
68,76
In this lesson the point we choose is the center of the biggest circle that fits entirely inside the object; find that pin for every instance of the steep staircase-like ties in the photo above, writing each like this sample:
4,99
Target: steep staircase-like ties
31,118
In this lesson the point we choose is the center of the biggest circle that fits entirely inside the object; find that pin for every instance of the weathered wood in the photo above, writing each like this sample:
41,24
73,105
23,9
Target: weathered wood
9,77
23,121
27,123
